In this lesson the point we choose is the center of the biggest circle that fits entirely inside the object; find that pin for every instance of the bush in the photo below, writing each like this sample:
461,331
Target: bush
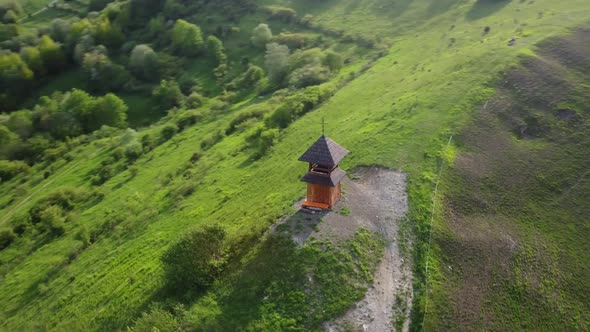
10,169
188,119
52,220
194,100
168,131
309,75
292,40
133,150
196,260
168,94
284,14
211,140
156,320
243,117
6,238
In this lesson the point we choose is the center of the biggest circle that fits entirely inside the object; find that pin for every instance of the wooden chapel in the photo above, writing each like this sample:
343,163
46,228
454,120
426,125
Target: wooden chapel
323,176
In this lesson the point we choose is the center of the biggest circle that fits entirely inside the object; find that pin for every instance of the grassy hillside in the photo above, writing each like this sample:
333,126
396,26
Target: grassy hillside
513,248
441,67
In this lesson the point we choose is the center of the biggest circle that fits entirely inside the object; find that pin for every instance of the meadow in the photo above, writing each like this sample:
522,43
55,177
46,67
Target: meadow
441,66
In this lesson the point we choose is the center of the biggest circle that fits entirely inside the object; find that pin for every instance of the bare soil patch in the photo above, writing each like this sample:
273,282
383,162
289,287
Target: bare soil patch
375,198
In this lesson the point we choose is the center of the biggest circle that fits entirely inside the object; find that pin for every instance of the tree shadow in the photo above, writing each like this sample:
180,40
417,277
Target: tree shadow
483,8
391,9
438,7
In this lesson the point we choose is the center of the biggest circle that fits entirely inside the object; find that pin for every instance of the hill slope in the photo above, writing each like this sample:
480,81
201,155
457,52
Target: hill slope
513,248
442,66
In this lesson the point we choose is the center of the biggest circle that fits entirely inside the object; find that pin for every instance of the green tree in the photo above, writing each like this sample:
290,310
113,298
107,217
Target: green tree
276,62
13,68
312,74
333,61
261,35
103,75
196,260
109,110
6,136
10,17
32,57
15,78
79,104
7,236
215,47
60,29
156,320
21,123
53,220
107,33
187,38
144,62
9,143
168,94
10,169
140,9
168,131
51,53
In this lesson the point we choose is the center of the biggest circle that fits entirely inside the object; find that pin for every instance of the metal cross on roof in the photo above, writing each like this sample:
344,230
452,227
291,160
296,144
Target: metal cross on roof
323,126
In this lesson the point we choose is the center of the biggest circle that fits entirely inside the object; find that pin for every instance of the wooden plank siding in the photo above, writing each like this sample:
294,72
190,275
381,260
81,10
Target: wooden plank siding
317,193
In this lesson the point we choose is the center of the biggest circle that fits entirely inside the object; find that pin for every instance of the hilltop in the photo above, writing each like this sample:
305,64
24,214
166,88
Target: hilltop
184,121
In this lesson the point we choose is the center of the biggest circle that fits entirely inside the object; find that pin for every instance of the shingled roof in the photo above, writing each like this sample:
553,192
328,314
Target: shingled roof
324,152
331,179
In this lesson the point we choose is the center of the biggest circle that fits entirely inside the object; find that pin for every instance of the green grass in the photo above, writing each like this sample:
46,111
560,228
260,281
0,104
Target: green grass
528,198
398,114
141,110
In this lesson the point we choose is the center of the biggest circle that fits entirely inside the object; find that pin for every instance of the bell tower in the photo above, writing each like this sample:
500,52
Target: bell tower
323,176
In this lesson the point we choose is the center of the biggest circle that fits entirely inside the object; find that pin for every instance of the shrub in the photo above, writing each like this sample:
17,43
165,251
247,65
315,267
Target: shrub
156,320
133,170
243,117
188,118
292,40
7,236
10,169
168,94
284,14
309,75
133,150
168,131
262,140
196,260
52,220
211,140
194,100
103,175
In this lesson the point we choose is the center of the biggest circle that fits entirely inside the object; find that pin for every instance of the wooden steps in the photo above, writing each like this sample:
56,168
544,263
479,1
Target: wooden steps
316,205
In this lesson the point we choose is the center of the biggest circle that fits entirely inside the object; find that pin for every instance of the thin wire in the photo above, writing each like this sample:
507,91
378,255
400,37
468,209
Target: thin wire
430,235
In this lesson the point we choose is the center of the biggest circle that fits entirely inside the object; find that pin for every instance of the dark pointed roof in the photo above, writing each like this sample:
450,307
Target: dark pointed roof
331,179
324,152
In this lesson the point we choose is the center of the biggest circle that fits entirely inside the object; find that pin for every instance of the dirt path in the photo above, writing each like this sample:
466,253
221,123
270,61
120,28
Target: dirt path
377,200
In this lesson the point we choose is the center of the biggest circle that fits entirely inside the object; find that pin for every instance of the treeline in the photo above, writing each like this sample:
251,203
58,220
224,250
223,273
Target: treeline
26,134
